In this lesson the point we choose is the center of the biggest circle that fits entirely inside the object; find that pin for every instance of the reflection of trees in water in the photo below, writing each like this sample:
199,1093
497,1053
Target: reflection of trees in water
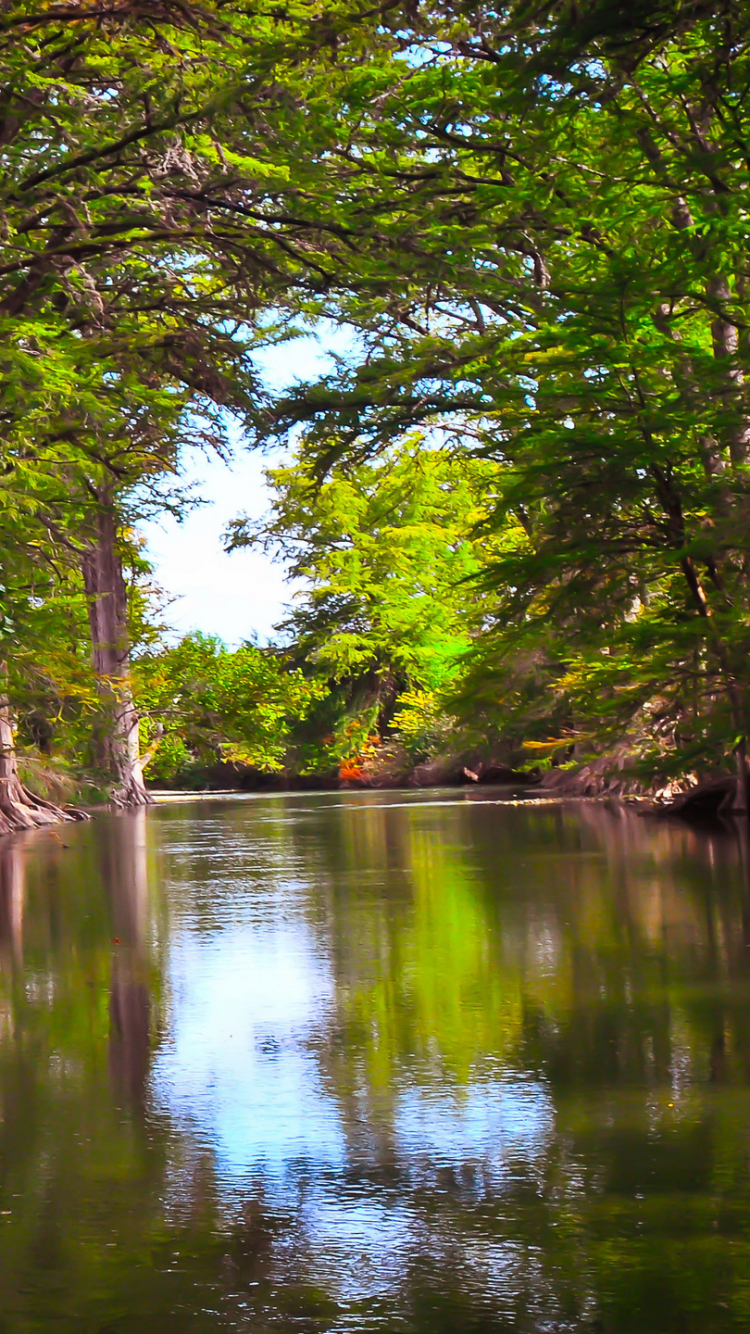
11,899
68,1157
521,935
600,957
586,966
600,954
110,1219
124,872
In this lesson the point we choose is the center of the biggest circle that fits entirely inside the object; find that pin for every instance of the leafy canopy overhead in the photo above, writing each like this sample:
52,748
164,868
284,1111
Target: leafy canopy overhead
552,269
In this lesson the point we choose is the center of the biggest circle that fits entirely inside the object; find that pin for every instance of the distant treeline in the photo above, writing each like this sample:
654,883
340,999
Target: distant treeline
519,505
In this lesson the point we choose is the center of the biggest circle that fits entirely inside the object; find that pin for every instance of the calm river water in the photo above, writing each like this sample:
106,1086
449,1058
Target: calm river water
412,1063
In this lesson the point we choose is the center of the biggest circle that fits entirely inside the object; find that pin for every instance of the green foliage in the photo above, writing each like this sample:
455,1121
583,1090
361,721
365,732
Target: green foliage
556,274
423,725
521,506
203,705
143,252
389,558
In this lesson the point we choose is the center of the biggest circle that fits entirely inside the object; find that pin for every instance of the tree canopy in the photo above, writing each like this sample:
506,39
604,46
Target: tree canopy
524,491
557,231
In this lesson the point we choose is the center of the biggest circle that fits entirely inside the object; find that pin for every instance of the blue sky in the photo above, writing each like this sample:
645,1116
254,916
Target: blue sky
243,594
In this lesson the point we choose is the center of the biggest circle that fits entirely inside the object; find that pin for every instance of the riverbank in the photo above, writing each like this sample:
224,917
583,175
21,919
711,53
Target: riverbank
690,797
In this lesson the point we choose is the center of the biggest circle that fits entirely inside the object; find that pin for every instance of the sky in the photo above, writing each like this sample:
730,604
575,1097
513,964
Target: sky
243,594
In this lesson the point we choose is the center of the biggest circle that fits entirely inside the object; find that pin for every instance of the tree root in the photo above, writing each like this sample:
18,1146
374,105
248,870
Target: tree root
713,797
130,795
22,809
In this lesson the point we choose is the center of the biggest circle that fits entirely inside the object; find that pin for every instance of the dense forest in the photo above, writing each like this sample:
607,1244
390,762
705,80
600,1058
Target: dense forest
518,507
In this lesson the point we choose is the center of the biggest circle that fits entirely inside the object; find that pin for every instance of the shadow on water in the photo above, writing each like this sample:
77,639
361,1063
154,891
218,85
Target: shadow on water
370,1062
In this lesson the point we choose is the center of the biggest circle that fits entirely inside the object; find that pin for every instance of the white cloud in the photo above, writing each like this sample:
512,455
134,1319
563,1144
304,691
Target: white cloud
238,595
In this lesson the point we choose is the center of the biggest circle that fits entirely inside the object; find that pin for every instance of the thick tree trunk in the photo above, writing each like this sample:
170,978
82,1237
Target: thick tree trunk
116,742
20,808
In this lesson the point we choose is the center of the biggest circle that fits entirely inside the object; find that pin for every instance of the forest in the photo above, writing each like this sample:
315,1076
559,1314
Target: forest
518,508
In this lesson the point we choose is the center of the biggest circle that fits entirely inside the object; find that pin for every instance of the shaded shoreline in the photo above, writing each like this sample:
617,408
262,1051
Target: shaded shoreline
712,799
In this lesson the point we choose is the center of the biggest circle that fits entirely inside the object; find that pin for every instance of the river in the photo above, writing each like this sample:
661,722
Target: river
419,1063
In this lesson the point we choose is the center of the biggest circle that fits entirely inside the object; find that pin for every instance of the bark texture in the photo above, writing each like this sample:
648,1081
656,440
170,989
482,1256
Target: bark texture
116,741
20,808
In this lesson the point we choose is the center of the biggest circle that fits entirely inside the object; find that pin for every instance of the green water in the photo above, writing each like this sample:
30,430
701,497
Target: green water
374,1062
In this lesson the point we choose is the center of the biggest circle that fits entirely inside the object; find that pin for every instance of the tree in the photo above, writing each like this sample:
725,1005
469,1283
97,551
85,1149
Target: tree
128,445
204,705
389,561
143,250
551,264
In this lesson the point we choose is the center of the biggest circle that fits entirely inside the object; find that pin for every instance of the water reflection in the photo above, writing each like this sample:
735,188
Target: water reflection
124,873
374,1063
11,902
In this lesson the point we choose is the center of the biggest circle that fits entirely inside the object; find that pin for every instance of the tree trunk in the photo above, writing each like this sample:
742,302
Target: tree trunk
726,342
20,808
116,743
740,804
672,505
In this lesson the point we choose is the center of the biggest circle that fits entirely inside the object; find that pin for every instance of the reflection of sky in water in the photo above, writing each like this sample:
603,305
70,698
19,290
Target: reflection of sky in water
241,1067
494,1126
253,1010
398,1086
243,1002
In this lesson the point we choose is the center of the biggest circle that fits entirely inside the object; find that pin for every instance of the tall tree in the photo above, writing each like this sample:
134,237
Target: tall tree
141,239
552,265
387,555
